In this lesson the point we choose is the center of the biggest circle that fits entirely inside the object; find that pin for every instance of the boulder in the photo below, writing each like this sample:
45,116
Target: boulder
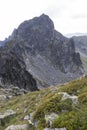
3,97
6,116
7,113
30,120
50,118
74,98
55,128
18,127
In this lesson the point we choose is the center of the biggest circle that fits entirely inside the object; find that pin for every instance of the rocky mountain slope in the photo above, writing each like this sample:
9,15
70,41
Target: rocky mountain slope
61,107
81,44
36,56
81,47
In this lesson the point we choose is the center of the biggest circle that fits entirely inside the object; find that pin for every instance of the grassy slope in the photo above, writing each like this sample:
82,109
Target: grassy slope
47,101
84,61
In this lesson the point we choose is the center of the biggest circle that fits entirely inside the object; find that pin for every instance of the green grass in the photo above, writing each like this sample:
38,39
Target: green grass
71,116
84,61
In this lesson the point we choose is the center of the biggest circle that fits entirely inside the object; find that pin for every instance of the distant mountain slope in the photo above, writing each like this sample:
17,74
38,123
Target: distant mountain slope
81,44
81,47
36,55
69,35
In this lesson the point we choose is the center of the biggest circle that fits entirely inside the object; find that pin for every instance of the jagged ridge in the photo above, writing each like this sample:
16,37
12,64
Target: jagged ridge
44,56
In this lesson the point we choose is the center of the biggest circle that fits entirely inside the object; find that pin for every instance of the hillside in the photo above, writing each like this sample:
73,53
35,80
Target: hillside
36,56
81,47
63,106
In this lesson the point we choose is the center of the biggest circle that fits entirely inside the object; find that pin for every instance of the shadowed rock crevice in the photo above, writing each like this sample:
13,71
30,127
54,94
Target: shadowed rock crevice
13,72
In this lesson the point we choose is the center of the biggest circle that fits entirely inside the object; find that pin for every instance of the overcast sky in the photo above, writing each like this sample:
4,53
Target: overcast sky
69,16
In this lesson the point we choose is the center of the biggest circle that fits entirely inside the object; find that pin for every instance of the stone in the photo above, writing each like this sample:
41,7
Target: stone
17,91
74,98
29,119
3,97
50,118
7,113
60,128
48,129
18,127
55,128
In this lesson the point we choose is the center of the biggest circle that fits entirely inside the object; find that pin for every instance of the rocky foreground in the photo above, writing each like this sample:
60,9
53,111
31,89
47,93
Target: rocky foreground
61,107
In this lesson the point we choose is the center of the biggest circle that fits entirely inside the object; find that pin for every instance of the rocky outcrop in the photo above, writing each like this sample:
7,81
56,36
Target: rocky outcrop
36,55
7,115
73,98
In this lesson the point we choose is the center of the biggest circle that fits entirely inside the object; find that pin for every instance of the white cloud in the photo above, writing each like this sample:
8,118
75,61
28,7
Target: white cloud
69,16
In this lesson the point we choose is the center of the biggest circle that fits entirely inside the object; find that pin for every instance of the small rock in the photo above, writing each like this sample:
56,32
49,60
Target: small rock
28,118
67,96
55,128
50,118
3,97
18,127
48,129
25,110
7,113
60,128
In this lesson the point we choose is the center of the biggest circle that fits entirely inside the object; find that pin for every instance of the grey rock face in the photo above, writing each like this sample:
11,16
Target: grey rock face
36,55
12,72
81,44
81,47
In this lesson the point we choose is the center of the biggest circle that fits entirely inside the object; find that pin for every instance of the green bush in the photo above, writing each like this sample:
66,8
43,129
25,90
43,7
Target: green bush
68,120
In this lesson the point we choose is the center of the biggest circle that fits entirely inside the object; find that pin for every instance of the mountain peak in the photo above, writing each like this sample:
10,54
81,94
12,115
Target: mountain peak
44,15
38,56
40,26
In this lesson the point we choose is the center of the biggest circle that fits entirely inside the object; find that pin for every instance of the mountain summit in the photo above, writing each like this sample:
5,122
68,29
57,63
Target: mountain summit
36,56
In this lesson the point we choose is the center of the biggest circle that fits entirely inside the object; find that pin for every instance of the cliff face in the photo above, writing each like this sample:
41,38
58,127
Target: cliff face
81,47
81,44
39,56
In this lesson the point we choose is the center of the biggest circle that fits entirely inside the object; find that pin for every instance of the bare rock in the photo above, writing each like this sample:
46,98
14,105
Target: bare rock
18,127
37,56
74,98
3,97
50,118
7,113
